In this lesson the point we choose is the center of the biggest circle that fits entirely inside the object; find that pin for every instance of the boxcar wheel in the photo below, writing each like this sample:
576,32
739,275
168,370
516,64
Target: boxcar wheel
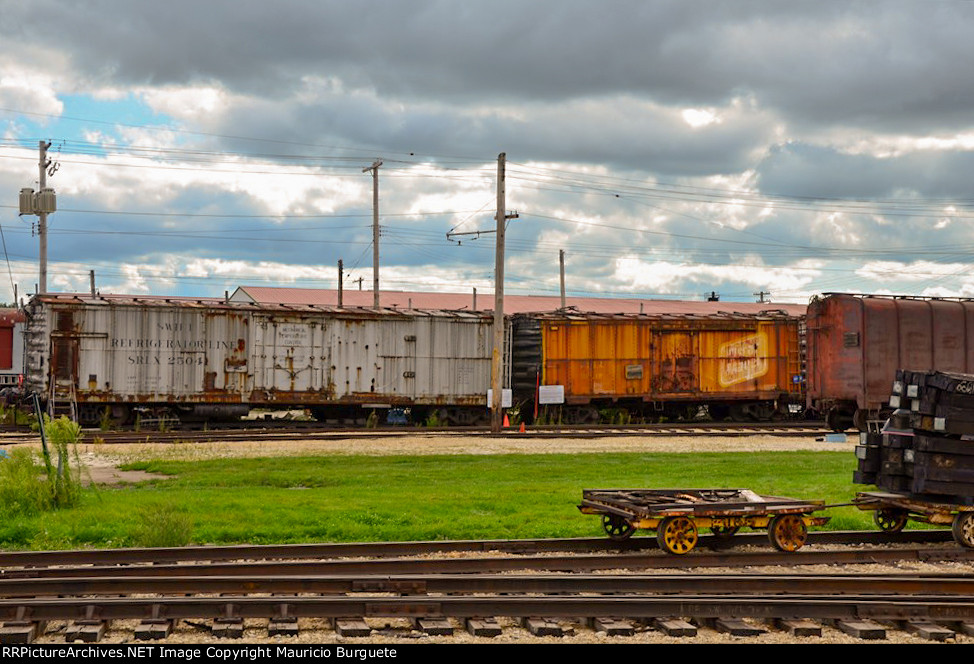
890,520
787,532
677,535
963,529
616,527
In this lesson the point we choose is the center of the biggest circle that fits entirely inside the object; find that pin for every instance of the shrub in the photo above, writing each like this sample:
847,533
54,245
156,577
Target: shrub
27,487
23,489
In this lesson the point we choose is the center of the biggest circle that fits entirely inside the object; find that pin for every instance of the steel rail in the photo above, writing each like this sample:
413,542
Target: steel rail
943,586
580,563
319,432
391,549
847,608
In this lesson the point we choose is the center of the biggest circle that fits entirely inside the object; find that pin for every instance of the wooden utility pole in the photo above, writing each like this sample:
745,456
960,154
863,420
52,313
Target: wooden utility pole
43,163
341,279
497,365
375,230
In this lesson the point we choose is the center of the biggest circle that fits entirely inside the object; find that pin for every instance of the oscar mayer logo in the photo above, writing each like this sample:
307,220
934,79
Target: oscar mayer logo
743,360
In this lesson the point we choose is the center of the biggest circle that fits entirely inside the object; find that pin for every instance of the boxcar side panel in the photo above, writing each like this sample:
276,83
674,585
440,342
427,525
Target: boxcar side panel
654,359
856,344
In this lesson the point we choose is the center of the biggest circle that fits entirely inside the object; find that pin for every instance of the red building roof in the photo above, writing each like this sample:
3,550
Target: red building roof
513,304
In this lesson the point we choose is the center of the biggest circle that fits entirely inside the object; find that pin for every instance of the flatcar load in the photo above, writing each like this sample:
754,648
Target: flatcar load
923,460
677,515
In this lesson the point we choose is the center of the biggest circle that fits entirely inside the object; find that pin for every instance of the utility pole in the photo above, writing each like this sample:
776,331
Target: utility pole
40,203
561,262
375,230
497,366
761,295
341,270
42,165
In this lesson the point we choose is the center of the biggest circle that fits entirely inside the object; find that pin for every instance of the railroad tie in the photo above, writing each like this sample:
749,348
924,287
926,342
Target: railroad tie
861,629
799,627
675,627
929,630
486,627
283,624
613,626
282,627
228,628
20,632
352,627
542,627
89,631
434,626
153,629
735,627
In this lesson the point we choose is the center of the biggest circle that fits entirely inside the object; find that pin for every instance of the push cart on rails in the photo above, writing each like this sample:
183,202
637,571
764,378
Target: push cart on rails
892,511
678,515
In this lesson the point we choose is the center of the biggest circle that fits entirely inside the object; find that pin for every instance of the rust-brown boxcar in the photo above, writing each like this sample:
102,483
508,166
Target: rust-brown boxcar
857,342
736,364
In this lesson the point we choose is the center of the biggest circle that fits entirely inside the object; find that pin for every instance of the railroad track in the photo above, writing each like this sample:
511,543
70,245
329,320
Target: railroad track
312,431
440,592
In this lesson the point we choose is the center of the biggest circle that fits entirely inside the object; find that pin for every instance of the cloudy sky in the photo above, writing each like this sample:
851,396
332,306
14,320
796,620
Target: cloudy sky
670,148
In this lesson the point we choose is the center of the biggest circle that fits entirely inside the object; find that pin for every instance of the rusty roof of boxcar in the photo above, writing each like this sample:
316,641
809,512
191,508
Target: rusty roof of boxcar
570,315
289,300
513,304
85,299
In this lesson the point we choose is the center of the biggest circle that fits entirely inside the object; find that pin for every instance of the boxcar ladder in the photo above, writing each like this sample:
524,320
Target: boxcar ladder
63,401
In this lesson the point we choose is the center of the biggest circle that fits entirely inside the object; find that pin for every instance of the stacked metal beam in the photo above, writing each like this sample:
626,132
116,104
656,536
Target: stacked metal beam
927,445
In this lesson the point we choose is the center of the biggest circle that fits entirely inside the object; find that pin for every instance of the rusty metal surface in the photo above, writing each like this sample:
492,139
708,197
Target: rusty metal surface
712,584
857,342
839,607
654,503
97,557
552,563
733,357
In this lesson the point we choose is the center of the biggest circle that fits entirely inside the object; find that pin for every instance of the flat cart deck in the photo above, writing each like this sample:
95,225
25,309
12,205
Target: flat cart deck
892,511
677,515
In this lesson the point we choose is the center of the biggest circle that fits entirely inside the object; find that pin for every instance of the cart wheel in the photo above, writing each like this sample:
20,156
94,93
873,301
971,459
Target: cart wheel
963,529
724,532
616,527
890,520
787,532
677,534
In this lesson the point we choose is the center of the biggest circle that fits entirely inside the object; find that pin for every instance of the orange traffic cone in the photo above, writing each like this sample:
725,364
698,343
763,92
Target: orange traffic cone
507,422
521,430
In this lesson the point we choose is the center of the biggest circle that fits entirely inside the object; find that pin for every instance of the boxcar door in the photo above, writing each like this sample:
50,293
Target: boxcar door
676,362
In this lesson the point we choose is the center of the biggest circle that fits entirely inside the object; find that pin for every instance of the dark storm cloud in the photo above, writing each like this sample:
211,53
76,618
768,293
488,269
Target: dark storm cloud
847,62
622,132
800,92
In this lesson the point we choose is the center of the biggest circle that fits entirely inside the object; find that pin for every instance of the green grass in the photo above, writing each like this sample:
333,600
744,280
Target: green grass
367,498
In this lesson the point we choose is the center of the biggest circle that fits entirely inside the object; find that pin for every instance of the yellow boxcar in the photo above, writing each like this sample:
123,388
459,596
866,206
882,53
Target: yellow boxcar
728,362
